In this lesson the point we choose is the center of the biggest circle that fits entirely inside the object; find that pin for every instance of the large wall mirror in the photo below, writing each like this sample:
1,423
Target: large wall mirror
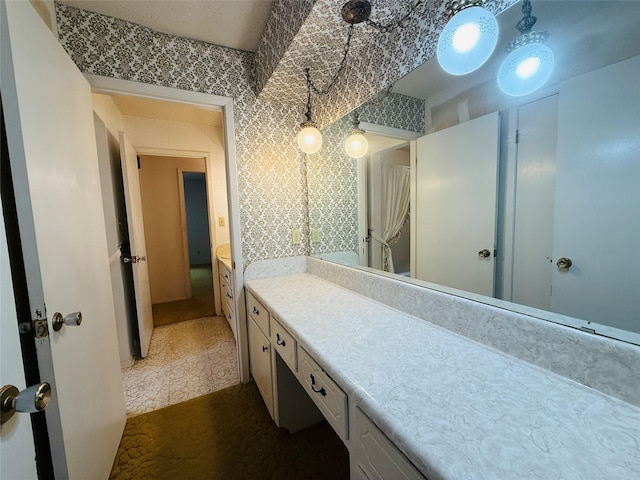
534,199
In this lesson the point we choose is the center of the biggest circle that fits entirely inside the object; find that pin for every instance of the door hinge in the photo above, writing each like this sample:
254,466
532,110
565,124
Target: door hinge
517,136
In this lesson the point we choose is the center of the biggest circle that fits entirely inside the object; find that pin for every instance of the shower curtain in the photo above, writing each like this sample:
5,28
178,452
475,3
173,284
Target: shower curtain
395,206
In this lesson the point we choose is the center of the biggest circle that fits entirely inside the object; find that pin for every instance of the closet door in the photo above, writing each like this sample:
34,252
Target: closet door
535,194
457,177
597,206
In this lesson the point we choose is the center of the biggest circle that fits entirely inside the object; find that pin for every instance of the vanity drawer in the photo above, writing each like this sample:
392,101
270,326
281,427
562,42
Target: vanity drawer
258,313
374,456
285,344
324,392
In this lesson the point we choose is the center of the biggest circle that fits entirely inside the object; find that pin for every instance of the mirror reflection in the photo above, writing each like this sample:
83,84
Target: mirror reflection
532,199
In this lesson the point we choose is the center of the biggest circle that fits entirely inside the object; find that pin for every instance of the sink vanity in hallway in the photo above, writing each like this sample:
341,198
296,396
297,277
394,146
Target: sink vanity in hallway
406,380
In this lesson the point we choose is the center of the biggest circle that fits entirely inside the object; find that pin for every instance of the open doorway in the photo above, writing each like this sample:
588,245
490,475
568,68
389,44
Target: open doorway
181,175
176,222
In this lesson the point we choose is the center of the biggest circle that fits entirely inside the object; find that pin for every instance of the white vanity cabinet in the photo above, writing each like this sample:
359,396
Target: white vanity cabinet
298,393
373,456
273,359
227,295
326,394
260,351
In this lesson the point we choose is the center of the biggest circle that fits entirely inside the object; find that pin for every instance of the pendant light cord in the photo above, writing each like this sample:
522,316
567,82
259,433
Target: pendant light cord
329,87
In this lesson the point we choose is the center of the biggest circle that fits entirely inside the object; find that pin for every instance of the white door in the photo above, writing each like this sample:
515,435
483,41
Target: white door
597,208
535,193
52,145
16,440
133,200
456,182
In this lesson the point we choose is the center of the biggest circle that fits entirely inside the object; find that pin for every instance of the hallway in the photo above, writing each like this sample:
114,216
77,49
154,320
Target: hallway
186,360
199,305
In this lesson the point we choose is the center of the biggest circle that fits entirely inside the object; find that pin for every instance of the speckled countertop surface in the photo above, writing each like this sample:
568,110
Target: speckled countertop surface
456,408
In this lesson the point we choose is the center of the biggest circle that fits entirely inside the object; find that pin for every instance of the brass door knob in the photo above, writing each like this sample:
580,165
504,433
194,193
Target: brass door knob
564,263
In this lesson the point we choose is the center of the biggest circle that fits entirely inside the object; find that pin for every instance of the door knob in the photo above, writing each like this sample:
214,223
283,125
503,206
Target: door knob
484,253
72,320
133,259
30,400
564,263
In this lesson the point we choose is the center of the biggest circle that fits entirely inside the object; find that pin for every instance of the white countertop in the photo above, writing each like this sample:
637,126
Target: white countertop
458,409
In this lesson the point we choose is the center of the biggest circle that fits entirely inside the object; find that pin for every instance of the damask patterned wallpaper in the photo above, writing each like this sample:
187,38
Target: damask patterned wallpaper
376,60
271,170
332,174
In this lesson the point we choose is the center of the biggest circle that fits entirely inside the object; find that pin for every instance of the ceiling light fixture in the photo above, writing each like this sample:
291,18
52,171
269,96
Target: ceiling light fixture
469,37
353,12
309,137
356,144
529,63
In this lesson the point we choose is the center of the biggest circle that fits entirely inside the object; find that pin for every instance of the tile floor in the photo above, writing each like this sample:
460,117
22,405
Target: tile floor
186,360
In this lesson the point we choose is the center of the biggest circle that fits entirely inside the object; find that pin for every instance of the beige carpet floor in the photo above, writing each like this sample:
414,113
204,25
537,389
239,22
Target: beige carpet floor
198,306
226,435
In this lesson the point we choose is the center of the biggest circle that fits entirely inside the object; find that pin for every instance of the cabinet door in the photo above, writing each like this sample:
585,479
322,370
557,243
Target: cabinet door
374,457
260,358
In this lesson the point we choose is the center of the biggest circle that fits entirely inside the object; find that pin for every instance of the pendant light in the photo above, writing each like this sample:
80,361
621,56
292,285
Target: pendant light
309,137
353,12
469,37
529,63
356,144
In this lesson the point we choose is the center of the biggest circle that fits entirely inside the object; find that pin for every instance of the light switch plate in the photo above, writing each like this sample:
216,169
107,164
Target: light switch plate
315,235
296,236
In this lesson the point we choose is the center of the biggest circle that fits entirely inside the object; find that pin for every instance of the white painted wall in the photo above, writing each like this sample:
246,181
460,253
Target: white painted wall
151,134
159,188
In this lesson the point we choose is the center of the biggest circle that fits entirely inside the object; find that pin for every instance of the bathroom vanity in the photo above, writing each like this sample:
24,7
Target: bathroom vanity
411,399
227,294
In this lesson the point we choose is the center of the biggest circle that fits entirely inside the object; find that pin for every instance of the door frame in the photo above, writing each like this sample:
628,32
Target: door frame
109,85
363,200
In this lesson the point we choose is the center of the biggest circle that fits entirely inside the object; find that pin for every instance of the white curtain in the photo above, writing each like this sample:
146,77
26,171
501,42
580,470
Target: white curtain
395,210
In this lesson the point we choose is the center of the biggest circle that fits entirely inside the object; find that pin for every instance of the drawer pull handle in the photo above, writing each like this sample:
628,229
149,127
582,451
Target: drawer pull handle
322,391
255,311
278,341
264,349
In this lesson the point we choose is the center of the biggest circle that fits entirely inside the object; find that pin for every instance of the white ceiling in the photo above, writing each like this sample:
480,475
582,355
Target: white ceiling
170,111
231,23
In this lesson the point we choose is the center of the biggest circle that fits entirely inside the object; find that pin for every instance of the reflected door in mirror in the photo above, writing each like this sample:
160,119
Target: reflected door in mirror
456,179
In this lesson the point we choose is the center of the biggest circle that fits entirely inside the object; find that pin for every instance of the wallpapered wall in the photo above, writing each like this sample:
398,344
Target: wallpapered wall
332,174
376,60
271,170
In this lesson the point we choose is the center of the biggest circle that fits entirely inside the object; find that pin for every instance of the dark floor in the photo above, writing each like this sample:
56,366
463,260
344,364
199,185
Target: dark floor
199,305
226,435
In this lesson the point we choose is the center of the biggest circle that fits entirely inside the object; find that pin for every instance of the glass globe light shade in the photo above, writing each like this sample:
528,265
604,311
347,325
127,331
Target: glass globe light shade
526,69
309,139
467,41
356,145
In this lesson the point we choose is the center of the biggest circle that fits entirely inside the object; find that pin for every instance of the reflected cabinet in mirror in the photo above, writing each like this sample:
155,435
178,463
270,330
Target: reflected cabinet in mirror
533,200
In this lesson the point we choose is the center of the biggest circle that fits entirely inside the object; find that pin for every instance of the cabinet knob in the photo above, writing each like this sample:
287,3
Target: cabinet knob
255,311
278,341
484,253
